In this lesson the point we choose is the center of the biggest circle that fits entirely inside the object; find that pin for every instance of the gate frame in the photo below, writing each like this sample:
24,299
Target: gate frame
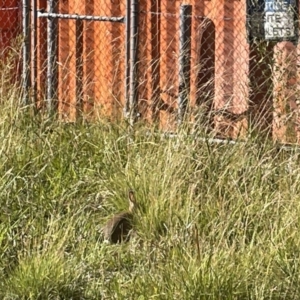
30,51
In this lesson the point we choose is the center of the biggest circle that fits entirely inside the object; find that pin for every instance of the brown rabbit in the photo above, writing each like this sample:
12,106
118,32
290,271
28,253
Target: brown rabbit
119,227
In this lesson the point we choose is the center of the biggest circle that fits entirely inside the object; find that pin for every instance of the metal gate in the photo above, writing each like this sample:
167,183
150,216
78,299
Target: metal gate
194,56
44,63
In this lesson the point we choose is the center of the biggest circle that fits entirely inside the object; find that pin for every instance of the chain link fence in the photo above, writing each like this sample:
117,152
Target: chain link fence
10,41
10,18
79,57
228,65
194,57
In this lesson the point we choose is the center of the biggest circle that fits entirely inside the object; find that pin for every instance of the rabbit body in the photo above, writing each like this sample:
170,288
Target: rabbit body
118,228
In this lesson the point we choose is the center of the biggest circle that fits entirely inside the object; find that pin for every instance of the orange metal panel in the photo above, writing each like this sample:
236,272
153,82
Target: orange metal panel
149,65
65,90
117,56
240,101
203,58
231,56
108,61
284,91
169,45
6,37
101,64
70,98
89,37
9,24
9,29
8,13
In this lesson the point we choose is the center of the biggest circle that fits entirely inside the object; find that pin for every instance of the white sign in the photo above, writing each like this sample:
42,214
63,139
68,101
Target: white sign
279,20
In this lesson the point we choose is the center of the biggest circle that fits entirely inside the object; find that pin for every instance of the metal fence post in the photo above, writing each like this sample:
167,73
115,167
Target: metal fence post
51,57
133,82
26,50
184,60
127,58
79,67
34,49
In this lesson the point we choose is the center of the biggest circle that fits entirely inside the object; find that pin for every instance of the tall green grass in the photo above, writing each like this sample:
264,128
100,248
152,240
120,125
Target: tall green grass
215,221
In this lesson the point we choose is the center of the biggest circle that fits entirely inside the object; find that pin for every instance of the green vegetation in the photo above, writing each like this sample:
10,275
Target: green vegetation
215,221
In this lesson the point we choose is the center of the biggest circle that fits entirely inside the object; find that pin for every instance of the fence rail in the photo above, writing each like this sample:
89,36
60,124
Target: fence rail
41,14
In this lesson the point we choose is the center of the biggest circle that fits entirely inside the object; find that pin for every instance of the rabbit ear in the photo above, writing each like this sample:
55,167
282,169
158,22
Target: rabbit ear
131,196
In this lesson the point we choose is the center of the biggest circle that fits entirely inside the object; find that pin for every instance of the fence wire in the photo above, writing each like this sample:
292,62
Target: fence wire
202,63
10,18
80,57
10,56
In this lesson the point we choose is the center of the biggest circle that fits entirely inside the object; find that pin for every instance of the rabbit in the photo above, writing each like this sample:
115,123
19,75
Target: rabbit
119,227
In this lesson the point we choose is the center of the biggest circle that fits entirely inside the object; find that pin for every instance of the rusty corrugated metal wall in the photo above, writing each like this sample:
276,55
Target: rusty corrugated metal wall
10,29
97,49
231,80
219,59
9,22
90,59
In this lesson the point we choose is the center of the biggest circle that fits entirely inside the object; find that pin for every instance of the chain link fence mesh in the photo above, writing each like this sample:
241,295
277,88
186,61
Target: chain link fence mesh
219,62
89,57
88,60
10,41
10,18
